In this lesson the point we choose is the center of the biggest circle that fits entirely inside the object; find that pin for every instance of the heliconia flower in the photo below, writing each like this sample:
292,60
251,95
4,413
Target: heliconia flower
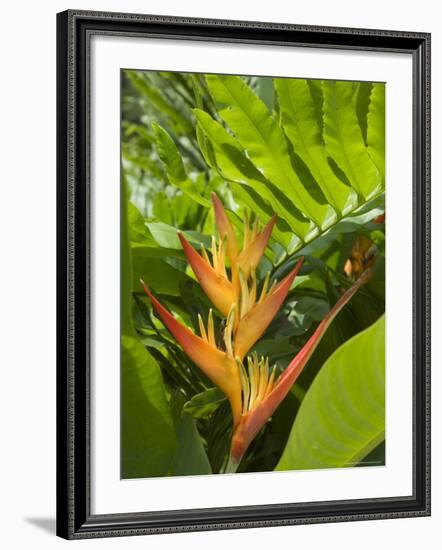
262,393
219,366
254,392
225,228
212,276
255,243
256,315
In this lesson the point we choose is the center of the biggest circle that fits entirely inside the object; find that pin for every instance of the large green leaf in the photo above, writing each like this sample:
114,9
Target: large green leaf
137,229
156,244
300,124
148,440
166,236
191,457
342,416
376,127
344,139
252,200
230,159
302,109
169,154
260,135
174,165
157,273
205,403
141,82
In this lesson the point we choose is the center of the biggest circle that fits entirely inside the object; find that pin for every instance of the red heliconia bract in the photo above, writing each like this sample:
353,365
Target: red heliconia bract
252,388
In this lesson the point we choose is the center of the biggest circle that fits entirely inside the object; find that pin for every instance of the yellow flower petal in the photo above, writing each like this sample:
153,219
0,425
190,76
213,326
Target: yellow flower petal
217,287
254,323
225,228
216,364
253,252
254,419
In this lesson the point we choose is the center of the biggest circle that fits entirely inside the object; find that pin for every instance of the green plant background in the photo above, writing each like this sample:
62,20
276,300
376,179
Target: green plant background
311,151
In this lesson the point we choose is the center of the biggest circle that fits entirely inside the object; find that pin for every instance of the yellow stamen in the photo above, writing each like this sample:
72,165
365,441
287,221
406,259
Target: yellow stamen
222,256
211,329
202,328
271,382
248,293
255,320
253,378
256,382
264,288
204,253
214,254
217,287
228,331
263,378
244,385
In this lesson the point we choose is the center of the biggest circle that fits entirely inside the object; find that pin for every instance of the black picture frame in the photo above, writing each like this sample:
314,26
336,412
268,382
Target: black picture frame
74,518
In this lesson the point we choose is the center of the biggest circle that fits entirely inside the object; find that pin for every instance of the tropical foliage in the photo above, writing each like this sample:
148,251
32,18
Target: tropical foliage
310,153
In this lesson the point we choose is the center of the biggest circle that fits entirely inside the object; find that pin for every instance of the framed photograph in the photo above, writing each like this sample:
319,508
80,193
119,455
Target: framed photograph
243,274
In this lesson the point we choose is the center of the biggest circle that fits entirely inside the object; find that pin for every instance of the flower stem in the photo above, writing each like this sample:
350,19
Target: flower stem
231,466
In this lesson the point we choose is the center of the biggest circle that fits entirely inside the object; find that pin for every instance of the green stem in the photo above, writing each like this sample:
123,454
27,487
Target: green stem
231,466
